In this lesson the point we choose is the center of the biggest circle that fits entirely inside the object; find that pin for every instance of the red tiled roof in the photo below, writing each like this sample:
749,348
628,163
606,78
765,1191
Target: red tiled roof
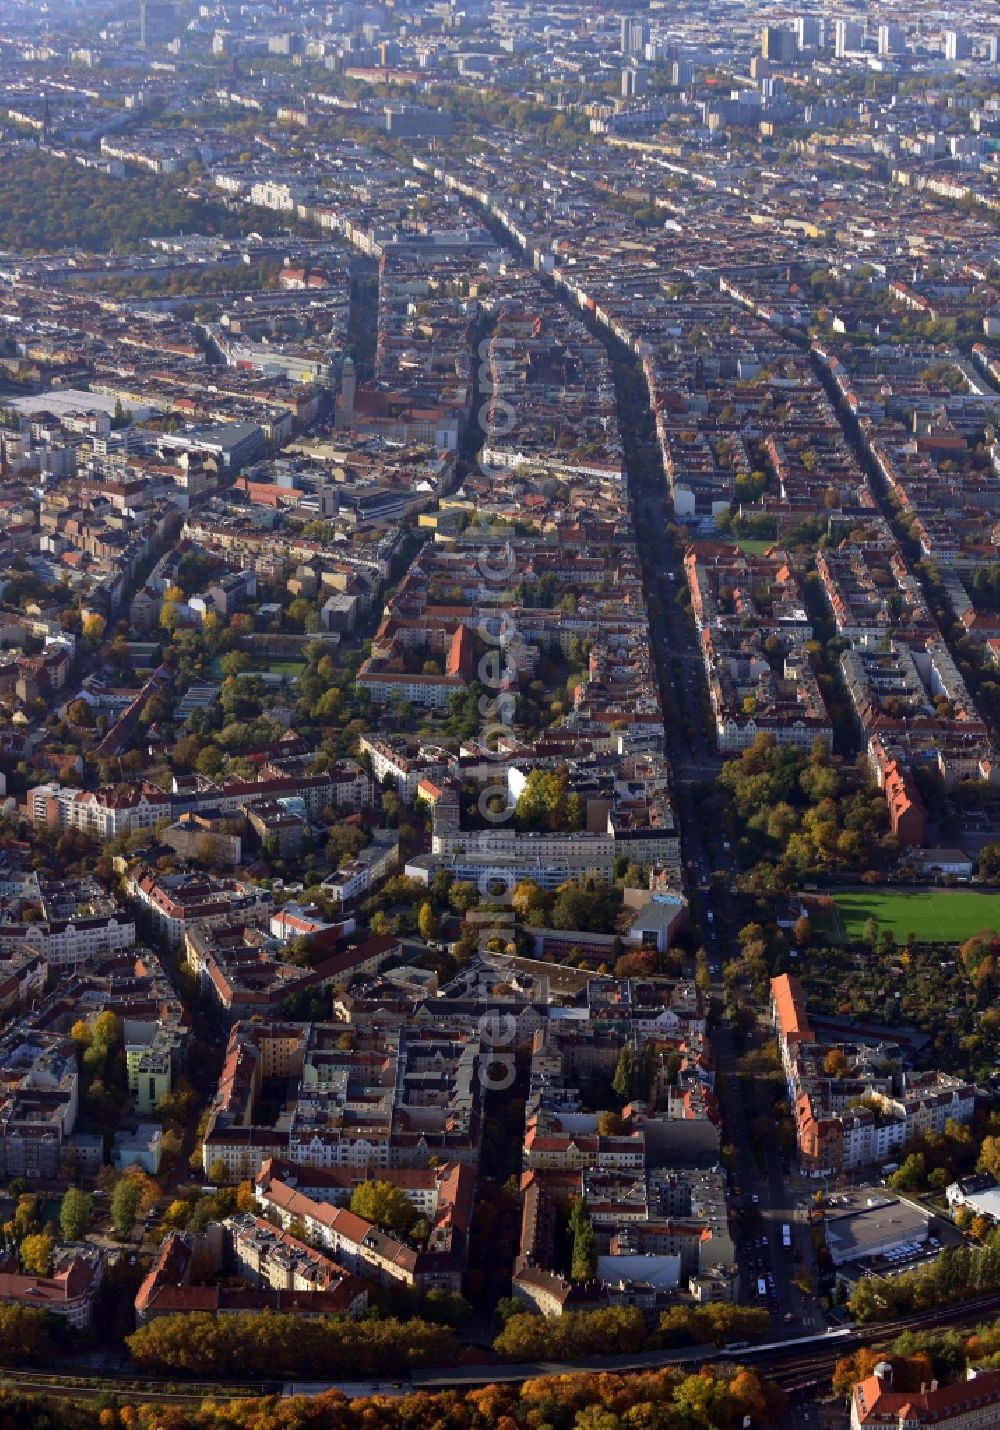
790,1004
943,1405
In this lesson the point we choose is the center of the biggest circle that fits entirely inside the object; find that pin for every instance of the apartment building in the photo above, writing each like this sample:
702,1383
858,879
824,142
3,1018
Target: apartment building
372,864
167,1289
104,814
177,902
68,1291
392,759
263,1255
69,923
970,1404
376,1255
396,1100
550,1147
848,1112
39,1105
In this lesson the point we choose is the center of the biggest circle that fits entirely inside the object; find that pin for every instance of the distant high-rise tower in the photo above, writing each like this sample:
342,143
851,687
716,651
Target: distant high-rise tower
957,45
810,31
849,37
778,44
142,24
634,35
891,40
348,390
633,81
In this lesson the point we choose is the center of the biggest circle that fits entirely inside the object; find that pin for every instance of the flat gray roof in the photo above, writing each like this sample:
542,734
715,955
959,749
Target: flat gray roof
868,1231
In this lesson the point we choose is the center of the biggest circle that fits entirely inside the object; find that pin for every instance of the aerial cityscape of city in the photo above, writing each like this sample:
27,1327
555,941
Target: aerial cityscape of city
499,715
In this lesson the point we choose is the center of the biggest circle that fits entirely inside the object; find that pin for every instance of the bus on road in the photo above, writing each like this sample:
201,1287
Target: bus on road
786,1237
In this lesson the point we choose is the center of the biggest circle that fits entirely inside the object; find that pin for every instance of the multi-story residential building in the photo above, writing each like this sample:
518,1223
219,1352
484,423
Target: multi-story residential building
384,683
104,814
863,1117
107,813
391,759
278,826
265,1256
740,604
38,1109
177,902
867,606
150,1074
241,971
79,941
375,862
205,835
68,1291
23,972
789,1018
396,1100
654,1232
167,1289
134,987
374,1254
913,709
547,1147
970,1404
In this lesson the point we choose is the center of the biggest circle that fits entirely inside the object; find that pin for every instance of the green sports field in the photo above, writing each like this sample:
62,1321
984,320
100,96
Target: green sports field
931,915
752,545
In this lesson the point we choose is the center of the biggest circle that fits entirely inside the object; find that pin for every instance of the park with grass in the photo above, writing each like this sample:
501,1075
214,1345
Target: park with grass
285,667
754,545
918,915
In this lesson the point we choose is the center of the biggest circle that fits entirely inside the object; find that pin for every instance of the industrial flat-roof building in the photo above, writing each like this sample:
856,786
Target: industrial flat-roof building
884,1225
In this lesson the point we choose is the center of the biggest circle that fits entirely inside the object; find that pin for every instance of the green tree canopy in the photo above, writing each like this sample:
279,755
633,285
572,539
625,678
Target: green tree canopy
385,1205
125,1205
74,1214
36,1253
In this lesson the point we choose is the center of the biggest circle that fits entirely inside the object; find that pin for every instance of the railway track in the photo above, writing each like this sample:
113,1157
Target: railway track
806,1361
85,1390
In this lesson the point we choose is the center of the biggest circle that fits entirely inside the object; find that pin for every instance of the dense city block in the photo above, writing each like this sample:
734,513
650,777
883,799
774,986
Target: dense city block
499,714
